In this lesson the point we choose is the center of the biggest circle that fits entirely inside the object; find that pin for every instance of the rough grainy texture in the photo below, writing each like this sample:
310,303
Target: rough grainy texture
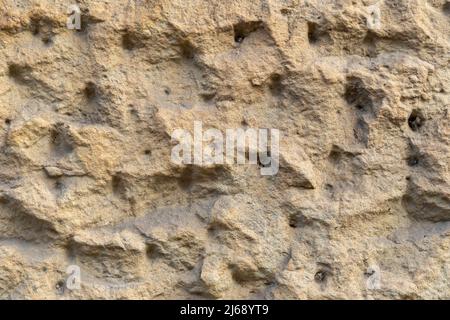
359,91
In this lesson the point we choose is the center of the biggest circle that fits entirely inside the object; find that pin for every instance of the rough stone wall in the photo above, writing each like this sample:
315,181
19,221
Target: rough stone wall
359,90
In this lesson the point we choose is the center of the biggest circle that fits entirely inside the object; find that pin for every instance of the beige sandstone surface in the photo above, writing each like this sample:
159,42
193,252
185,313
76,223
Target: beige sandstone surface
360,207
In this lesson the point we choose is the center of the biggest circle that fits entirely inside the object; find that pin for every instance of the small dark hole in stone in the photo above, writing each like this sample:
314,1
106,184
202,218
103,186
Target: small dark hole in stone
415,120
8,121
59,185
187,178
313,33
413,161
20,73
276,85
14,70
243,29
167,91
320,276
118,185
47,40
239,38
293,222
187,51
153,252
148,152
207,96
129,42
90,91
34,27
335,156
356,94
60,286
